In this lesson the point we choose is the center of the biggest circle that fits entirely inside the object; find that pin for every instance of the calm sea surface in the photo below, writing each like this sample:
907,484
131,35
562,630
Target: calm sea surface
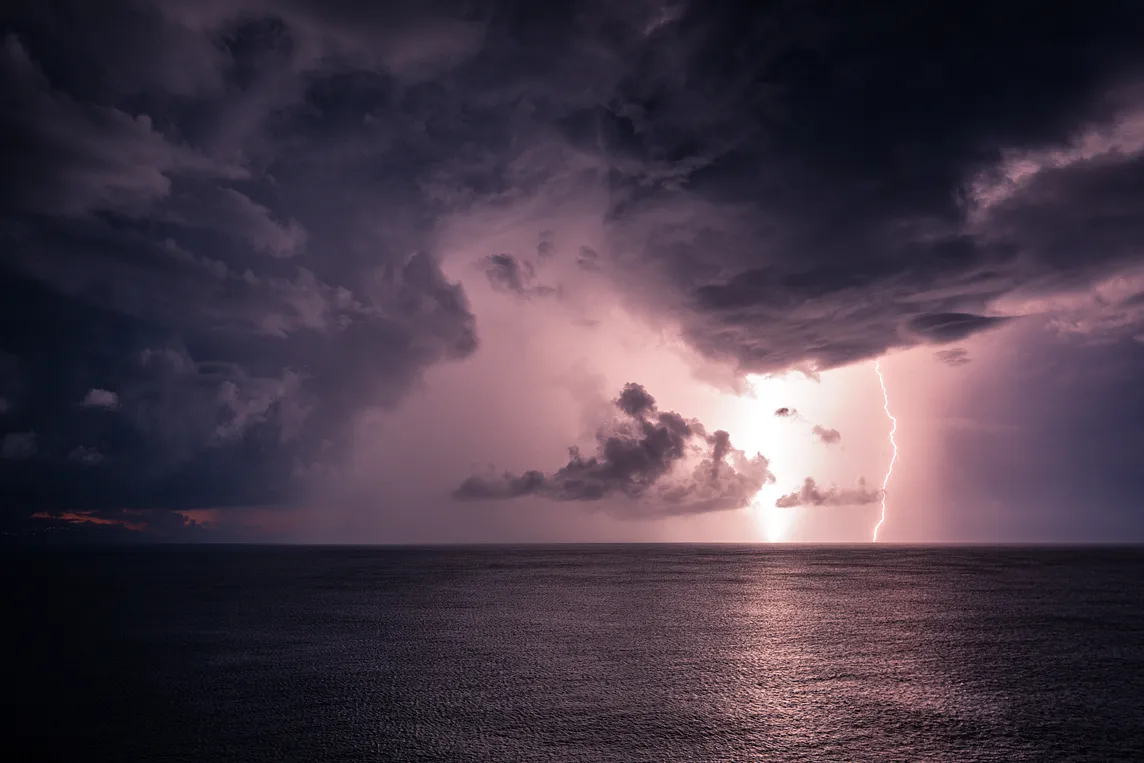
624,653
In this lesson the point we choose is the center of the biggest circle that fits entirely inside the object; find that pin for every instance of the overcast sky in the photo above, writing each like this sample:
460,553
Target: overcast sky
345,271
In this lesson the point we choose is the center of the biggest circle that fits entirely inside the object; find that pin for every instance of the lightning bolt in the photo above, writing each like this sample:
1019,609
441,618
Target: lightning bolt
893,429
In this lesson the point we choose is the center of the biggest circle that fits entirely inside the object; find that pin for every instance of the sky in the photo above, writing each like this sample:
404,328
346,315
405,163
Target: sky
445,272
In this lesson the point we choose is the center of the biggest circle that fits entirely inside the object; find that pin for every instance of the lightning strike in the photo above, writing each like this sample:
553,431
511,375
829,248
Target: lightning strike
894,457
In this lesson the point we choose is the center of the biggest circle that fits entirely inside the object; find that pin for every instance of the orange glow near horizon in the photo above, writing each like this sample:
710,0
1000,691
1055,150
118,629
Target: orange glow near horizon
87,517
204,517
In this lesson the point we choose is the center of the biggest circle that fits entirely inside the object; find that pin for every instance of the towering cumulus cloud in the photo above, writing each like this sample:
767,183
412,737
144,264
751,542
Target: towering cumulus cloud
657,462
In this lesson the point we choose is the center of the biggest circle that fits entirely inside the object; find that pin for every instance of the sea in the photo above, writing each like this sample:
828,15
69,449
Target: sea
573,653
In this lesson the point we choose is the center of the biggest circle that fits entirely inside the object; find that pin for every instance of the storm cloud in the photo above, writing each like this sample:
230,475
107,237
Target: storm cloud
213,304
661,463
827,271
810,494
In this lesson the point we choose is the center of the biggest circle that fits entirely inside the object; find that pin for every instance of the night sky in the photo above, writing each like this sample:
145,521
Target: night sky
342,271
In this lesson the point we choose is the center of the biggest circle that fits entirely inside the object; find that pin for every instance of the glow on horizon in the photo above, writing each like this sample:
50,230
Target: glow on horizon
839,398
774,524
893,443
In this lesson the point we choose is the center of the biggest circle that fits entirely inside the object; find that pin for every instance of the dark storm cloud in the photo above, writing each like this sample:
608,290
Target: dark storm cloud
807,183
200,290
827,436
955,356
635,401
785,413
810,494
234,420
662,463
949,327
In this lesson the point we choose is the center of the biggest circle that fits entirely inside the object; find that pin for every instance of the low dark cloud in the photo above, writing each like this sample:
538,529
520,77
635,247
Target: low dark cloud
775,243
785,412
950,327
827,436
810,494
635,401
656,462
956,356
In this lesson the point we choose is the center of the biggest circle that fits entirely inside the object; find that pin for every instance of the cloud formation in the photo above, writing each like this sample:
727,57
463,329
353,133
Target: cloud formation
810,494
774,244
827,436
656,461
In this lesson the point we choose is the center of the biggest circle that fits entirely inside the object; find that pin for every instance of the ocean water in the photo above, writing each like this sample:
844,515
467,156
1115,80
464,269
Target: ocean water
626,653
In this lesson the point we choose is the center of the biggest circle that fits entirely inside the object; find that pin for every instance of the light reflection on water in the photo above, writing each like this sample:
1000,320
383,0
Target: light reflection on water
646,653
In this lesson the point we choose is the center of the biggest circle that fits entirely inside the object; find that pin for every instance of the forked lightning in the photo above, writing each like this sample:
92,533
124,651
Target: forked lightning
894,457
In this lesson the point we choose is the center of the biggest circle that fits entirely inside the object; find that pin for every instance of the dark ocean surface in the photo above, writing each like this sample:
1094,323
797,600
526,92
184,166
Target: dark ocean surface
597,653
